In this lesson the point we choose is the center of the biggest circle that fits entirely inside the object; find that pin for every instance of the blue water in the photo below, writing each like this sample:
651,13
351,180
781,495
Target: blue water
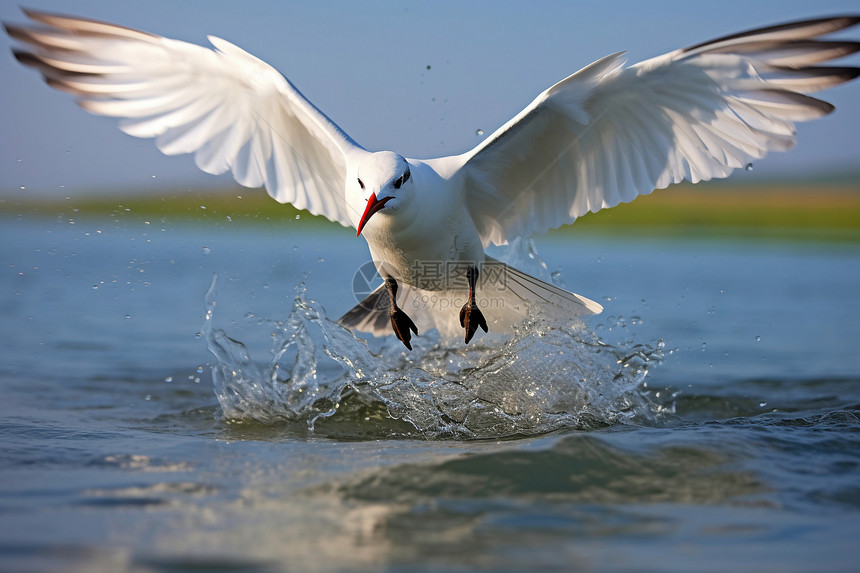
707,420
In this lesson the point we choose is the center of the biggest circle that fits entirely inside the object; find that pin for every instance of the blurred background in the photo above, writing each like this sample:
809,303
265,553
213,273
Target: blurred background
118,451
424,79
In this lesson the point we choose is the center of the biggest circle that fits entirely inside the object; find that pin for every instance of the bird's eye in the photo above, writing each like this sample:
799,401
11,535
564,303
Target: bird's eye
403,179
361,183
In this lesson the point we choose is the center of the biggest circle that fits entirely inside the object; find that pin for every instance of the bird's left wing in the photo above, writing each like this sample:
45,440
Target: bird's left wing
609,133
230,109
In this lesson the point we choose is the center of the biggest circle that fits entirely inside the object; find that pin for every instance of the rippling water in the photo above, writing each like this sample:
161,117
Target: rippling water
157,419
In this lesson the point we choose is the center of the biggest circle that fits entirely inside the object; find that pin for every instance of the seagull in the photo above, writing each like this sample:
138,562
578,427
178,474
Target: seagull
599,137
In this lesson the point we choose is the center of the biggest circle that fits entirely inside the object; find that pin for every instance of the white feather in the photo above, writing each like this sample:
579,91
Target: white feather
230,109
600,137
607,133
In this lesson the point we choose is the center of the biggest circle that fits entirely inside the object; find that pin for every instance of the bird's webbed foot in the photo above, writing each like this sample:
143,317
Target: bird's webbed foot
400,321
402,324
471,316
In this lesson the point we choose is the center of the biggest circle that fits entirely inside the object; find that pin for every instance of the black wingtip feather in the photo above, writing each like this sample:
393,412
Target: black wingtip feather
837,23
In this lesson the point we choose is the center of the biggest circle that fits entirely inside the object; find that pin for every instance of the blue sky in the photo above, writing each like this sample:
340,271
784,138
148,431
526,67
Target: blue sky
366,66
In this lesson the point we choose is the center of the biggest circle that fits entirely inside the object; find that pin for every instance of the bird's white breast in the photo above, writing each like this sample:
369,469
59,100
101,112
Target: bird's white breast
428,241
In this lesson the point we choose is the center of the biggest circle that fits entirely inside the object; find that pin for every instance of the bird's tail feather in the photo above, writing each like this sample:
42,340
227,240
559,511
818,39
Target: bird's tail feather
505,295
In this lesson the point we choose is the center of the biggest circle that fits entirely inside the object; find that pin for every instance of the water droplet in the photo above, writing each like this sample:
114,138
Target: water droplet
23,188
479,132
203,207
169,379
200,369
762,404
148,397
206,250
127,317
298,217
748,167
758,338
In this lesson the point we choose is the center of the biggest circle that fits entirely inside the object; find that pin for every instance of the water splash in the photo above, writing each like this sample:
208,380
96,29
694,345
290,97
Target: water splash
279,391
542,379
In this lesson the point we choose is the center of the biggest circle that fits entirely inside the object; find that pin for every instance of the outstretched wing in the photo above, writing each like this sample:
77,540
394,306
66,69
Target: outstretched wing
231,110
609,133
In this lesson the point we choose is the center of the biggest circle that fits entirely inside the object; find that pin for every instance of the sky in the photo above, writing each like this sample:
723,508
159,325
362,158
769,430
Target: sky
419,78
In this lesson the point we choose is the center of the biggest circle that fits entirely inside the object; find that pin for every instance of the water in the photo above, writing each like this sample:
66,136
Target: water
708,419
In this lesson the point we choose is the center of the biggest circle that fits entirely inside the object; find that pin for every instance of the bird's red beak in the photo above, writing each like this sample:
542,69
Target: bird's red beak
372,207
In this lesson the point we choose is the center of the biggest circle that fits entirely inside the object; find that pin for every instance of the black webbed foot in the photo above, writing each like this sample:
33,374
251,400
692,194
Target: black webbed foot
400,321
471,318
402,324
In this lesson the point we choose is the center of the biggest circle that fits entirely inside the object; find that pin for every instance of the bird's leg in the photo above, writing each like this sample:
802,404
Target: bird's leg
400,321
470,316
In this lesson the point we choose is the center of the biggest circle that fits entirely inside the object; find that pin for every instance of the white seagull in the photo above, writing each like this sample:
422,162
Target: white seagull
599,137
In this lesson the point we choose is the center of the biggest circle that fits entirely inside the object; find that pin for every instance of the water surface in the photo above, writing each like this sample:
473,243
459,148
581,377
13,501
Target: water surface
708,419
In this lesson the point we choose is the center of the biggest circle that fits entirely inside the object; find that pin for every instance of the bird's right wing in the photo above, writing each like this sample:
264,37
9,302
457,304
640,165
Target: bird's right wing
609,133
230,109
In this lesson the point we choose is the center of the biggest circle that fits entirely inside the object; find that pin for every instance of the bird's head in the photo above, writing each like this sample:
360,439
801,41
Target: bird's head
384,181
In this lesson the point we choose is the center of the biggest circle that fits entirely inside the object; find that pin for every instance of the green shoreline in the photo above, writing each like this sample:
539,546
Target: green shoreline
796,210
